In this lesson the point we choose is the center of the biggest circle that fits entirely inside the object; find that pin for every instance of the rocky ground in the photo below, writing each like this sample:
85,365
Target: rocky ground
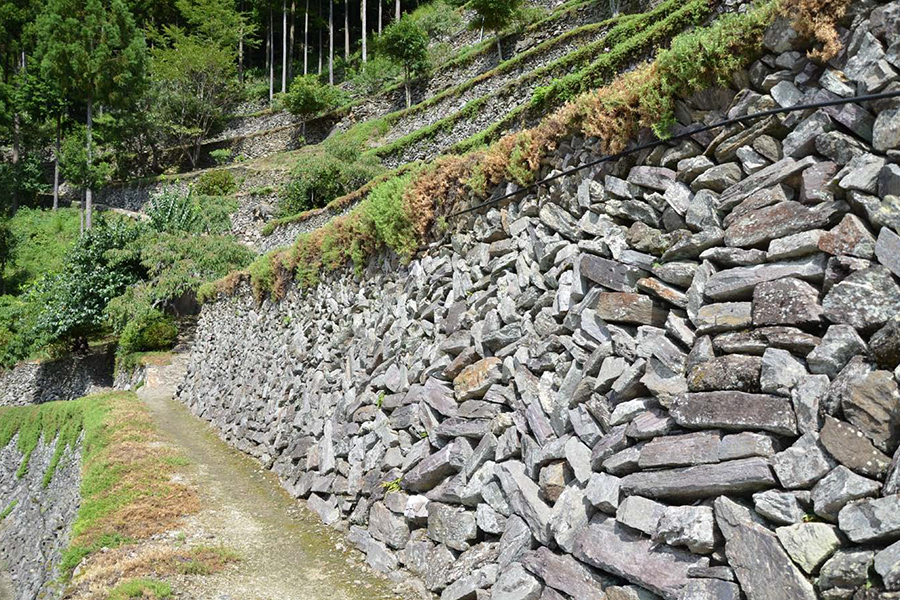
673,376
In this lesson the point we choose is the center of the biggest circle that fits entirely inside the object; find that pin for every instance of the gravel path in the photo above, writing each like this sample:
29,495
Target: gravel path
286,553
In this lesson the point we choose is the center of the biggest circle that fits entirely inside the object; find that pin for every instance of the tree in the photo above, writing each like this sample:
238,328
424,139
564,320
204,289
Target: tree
406,43
495,15
93,52
362,14
7,250
196,87
42,101
331,42
308,97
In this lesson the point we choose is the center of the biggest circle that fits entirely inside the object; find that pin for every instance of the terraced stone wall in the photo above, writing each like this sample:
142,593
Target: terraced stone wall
65,378
673,376
36,519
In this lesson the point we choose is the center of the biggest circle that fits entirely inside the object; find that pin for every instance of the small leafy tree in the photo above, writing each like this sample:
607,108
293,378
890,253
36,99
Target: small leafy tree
196,87
495,15
309,97
406,43
77,166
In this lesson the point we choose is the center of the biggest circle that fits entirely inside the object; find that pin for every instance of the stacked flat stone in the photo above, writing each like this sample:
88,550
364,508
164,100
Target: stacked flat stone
674,376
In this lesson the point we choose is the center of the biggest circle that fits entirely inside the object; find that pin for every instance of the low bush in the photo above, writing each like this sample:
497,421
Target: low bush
153,330
322,175
215,183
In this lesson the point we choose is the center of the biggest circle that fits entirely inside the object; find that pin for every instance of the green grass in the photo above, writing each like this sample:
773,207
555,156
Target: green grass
140,588
43,238
8,510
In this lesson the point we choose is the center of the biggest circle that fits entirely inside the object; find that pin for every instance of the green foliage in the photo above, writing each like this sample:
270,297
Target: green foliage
195,87
170,210
220,156
8,510
495,14
393,486
24,179
406,43
309,97
321,175
392,223
216,183
41,240
372,75
140,588
151,331
438,19
262,275
79,169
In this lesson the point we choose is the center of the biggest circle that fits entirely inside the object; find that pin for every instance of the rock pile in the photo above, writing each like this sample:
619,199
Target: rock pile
675,376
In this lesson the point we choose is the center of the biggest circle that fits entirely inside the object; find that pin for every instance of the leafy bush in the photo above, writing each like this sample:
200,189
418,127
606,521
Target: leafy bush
153,330
309,97
387,210
171,210
216,183
42,239
220,156
320,176
439,19
373,75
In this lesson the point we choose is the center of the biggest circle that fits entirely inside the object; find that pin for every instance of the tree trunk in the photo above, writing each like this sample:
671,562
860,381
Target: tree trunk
406,86
481,33
397,10
284,52
362,14
291,43
306,39
320,39
15,162
346,30
380,6
331,42
88,194
499,48
241,47
56,163
270,42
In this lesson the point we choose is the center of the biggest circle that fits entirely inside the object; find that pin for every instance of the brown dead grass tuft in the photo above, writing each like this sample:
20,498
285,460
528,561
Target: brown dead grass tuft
817,20
445,179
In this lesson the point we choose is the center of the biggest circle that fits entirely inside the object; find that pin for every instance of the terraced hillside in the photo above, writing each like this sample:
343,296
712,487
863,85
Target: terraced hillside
469,100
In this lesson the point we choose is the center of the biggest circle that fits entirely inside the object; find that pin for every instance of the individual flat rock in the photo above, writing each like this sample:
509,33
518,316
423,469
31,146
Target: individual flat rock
565,574
884,345
846,569
762,567
850,237
603,492
690,526
438,466
452,526
851,448
702,481
786,301
838,488
737,372
475,380
757,341
655,178
723,316
839,344
794,246
681,450
887,250
780,372
803,464
736,411
887,564
622,307
866,299
515,583
524,499
872,519
807,397
571,513
738,283
747,444
759,227
640,513
611,274
809,544
873,406
779,507
774,174
558,219
614,548
387,527
711,589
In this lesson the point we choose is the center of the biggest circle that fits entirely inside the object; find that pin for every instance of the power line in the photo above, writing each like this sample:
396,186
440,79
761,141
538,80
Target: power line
680,136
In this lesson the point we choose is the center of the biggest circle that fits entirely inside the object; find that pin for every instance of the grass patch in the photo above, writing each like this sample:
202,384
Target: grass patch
141,588
8,510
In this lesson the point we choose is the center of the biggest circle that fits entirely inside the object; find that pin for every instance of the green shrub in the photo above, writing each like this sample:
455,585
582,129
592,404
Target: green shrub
262,275
373,75
171,210
141,588
309,97
438,18
321,176
220,156
215,183
386,209
152,330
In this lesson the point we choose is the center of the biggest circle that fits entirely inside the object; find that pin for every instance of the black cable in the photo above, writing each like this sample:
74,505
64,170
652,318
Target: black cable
682,135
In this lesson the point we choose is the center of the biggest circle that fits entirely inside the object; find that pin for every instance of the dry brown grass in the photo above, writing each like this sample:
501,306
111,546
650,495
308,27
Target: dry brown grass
445,179
817,21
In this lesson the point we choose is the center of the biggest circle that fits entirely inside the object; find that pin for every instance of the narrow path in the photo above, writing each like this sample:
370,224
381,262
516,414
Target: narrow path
286,553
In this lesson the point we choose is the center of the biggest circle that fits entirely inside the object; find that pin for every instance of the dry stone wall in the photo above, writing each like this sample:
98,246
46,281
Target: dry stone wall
674,376
66,378
36,529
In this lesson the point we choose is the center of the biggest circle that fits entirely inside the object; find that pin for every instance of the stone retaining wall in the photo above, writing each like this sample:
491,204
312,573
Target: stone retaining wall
36,531
674,376
66,378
